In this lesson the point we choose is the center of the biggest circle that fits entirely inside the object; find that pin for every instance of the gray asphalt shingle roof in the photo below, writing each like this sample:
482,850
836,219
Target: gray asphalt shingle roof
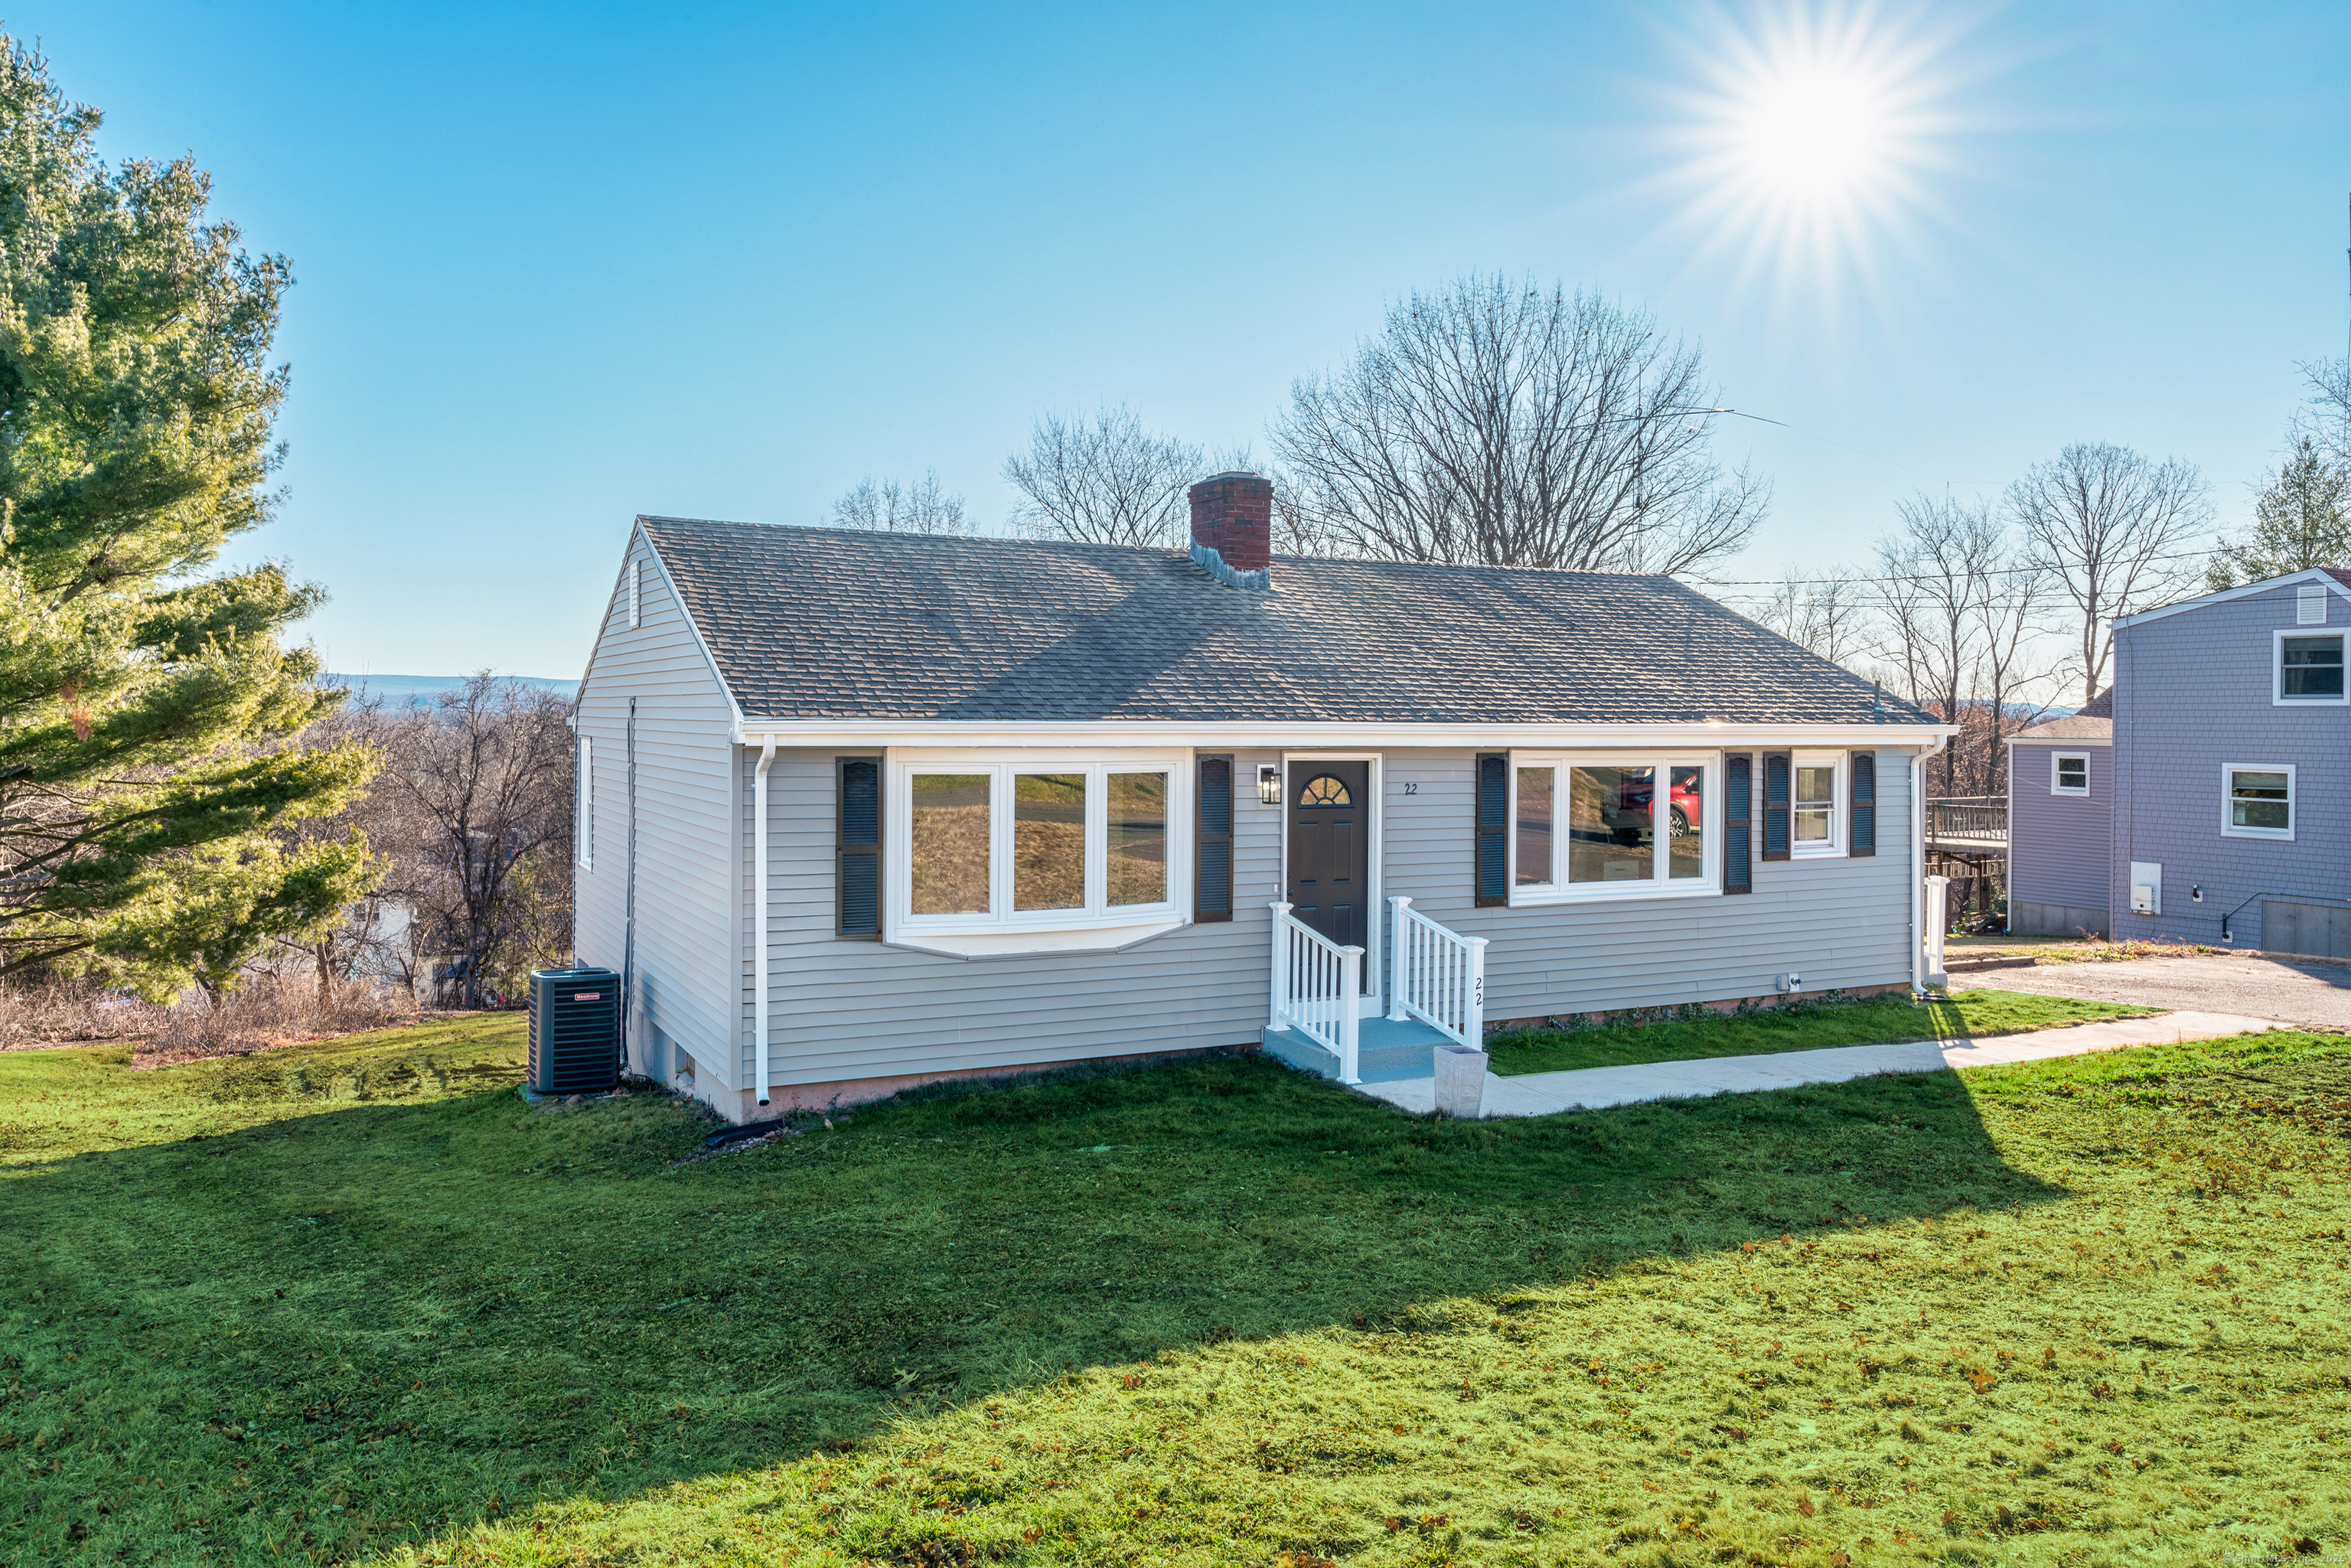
816,623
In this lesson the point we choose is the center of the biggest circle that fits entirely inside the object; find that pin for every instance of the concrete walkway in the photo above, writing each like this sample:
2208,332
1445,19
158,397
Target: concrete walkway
1598,1087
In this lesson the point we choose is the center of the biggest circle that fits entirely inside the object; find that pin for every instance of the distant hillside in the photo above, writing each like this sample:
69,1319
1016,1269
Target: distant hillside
415,688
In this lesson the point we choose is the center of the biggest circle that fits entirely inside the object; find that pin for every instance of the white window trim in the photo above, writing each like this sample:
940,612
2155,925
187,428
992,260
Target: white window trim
1708,883
2229,829
2277,668
1840,806
2055,775
584,828
1005,931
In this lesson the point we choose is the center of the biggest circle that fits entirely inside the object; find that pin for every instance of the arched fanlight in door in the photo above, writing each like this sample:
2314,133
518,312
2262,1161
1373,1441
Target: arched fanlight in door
1325,789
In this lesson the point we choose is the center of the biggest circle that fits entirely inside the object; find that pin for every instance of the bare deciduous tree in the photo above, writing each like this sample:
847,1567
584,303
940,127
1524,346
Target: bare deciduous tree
1938,572
2112,528
1502,425
889,506
1104,480
480,782
1824,615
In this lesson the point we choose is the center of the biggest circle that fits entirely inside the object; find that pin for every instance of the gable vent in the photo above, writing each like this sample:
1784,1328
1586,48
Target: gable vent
2310,605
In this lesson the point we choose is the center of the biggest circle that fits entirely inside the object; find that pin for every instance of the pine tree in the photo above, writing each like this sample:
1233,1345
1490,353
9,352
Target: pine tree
146,710
2302,520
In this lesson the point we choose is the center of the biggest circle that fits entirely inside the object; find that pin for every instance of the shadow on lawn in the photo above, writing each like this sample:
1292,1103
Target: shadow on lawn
363,1325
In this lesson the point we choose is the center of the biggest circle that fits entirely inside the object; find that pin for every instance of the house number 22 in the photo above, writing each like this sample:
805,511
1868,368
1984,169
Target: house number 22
1411,788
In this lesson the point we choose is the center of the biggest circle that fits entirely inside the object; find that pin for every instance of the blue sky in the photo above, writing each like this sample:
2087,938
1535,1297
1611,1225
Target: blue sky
560,264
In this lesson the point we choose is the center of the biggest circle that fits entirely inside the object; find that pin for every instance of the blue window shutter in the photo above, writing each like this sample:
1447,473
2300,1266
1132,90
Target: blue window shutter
1737,837
857,843
1493,829
1778,781
1864,839
1212,886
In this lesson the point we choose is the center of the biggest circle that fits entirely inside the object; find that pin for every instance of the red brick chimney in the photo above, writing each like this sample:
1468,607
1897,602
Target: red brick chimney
1232,528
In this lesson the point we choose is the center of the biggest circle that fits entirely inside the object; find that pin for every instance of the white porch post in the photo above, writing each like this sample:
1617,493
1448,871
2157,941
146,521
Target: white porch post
1476,1008
1397,948
1937,892
1351,1012
1277,1013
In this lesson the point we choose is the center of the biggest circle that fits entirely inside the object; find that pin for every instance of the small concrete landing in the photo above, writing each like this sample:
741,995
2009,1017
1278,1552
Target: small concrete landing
1601,1088
1385,1052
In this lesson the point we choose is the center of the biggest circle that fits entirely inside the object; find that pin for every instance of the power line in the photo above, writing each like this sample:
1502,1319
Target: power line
1922,577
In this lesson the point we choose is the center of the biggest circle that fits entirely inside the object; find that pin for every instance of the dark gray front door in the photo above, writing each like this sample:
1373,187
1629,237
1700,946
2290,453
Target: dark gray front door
1330,850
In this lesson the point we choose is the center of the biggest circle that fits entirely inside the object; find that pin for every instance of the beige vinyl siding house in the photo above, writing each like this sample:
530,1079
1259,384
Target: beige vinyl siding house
1028,804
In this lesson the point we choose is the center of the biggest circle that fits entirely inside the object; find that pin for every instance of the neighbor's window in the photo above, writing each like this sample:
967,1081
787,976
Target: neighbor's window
1815,817
1023,844
2310,669
1586,827
2069,773
2260,803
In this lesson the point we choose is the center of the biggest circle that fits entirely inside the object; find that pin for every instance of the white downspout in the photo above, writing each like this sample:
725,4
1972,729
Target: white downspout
759,919
1919,864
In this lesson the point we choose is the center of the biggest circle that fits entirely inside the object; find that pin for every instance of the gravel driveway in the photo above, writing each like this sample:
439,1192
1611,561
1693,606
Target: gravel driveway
2313,995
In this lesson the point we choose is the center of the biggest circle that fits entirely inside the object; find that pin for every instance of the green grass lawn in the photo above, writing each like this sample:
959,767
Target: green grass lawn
1804,1027
356,1301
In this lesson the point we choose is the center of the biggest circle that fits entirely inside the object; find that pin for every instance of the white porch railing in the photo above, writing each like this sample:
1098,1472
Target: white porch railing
1317,988
1437,975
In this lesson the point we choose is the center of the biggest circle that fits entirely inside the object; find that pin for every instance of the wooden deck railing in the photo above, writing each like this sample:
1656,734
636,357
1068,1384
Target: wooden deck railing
1979,819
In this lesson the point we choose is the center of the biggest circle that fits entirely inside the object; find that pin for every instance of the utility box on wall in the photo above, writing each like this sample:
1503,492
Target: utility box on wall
2146,887
575,1031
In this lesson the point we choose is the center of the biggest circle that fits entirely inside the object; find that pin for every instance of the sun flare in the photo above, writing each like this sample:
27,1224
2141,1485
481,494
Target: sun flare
1812,133
1815,133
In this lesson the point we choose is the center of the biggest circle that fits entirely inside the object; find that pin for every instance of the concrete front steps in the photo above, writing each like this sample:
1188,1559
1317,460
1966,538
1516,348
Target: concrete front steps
1385,1052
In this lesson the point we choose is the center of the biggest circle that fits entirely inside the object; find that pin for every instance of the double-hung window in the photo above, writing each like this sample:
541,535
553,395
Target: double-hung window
2309,668
985,844
2069,773
1816,804
1613,826
2257,801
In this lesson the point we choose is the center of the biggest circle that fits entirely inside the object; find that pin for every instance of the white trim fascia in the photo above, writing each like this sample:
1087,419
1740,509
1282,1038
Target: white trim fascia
1268,735
2314,574
686,613
2077,743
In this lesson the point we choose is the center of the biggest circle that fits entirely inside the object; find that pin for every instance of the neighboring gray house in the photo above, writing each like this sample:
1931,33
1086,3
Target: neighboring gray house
2232,767
2061,808
861,810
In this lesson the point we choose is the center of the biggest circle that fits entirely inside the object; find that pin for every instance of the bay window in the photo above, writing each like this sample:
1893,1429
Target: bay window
1042,844
1613,826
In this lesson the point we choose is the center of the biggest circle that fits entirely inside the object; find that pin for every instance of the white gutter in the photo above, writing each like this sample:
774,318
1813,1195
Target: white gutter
760,920
1296,735
1919,863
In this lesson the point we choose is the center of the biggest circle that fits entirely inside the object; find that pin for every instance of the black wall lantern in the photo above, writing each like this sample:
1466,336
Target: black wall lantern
1269,784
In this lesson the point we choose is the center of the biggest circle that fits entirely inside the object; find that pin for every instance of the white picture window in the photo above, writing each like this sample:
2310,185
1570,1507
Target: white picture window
2309,668
584,828
2069,773
1816,803
984,844
2258,801
1613,826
